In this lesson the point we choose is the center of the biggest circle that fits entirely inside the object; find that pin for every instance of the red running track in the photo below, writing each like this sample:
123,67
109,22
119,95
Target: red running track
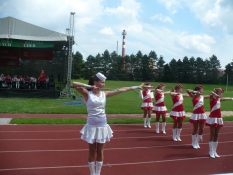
58,150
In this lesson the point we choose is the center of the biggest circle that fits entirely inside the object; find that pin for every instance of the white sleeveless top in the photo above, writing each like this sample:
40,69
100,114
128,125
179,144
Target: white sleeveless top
96,109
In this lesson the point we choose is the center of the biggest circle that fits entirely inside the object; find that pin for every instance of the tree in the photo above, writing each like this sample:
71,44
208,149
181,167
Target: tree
174,70
228,74
214,66
192,70
180,70
199,70
90,67
167,74
78,66
159,68
137,64
105,62
186,70
146,69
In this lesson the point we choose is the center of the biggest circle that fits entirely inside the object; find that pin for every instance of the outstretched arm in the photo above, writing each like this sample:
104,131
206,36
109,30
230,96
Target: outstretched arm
121,90
185,95
226,98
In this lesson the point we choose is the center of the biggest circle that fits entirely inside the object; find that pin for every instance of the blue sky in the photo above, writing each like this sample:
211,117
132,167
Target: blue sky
172,28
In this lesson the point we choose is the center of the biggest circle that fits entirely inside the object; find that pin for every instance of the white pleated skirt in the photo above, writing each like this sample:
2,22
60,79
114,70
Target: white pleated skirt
92,134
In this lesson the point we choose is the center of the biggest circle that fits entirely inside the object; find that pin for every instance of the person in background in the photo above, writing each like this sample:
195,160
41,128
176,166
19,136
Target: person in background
42,79
159,107
198,116
214,121
8,81
177,114
2,79
147,104
17,80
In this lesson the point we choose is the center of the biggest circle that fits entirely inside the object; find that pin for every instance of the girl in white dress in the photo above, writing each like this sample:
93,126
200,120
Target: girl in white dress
96,131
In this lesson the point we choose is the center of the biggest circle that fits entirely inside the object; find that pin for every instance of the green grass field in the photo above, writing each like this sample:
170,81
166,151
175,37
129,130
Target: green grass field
125,103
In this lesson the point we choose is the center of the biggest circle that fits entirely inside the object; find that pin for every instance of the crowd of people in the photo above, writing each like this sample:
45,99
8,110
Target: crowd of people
18,81
97,132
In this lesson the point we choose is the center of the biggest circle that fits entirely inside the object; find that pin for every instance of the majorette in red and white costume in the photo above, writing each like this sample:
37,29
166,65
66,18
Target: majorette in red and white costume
215,117
177,113
160,108
198,116
214,121
147,104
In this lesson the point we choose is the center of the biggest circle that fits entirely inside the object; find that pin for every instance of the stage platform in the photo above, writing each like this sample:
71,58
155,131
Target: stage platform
29,93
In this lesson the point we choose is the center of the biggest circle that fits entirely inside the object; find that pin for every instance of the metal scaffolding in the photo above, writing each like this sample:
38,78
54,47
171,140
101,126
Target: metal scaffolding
70,32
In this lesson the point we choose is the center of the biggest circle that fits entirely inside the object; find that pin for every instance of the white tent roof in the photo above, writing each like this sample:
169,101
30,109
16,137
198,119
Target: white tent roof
12,28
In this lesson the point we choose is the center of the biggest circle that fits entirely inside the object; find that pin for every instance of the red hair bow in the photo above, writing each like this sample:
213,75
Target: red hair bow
200,86
180,85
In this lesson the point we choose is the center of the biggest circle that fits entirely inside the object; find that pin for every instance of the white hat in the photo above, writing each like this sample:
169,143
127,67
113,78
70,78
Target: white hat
101,76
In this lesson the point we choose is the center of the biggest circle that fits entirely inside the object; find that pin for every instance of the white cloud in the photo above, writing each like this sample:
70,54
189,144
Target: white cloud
107,31
162,18
214,14
171,5
127,13
195,43
211,13
54,13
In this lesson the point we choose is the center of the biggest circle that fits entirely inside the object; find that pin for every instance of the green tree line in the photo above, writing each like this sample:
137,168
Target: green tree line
151,67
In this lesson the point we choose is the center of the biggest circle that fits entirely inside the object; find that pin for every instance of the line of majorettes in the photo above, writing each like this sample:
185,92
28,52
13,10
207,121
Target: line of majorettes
198,117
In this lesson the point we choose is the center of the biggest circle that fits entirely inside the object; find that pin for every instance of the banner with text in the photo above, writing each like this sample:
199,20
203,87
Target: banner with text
25,43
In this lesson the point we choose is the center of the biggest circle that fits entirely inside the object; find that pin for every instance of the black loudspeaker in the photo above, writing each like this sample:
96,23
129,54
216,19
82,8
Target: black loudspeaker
51,86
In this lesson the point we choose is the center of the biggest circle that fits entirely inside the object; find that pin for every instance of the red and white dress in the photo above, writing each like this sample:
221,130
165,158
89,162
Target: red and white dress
178,112
159,107
198,115
147,101
215,117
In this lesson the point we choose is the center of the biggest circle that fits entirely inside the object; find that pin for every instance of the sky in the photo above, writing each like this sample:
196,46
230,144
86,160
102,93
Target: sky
171,28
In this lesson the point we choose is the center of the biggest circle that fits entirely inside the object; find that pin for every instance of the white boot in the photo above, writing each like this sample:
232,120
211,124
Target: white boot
144,119
199,137
178,131
92,167
174,134
148,122
163,127
194,139
211,150
215,144
157,127
98,167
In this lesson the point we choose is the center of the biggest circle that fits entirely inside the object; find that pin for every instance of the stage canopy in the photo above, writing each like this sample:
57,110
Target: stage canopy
12,28
26,49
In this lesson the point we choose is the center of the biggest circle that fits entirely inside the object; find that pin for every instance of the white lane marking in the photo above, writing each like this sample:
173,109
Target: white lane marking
116,164
109,149
115,130
114,138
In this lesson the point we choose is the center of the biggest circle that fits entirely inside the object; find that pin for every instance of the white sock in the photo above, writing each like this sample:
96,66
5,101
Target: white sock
148,121
92,167
98,167
144,119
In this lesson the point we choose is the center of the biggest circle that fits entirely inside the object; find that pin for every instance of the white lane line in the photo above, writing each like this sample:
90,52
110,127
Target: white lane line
114,138
115,130
108,149
114,164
